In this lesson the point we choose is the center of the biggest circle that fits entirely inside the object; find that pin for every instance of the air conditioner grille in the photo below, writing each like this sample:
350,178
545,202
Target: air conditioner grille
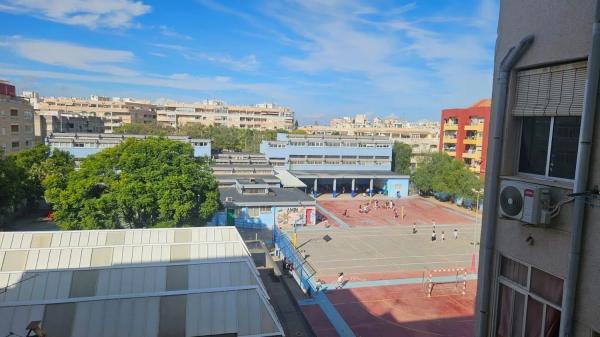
511,201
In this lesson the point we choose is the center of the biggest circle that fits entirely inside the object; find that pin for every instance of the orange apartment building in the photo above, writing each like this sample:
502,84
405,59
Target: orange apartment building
464,133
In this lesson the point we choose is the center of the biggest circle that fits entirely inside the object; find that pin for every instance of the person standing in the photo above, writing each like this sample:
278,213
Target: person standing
433,236
340,281
455,233
443,236
415,228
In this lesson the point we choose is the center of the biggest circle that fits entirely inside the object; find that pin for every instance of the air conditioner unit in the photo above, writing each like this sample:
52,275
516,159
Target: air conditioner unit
525,202
228,199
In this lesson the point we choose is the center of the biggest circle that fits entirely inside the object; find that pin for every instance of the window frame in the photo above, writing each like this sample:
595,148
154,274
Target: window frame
525,291
548,155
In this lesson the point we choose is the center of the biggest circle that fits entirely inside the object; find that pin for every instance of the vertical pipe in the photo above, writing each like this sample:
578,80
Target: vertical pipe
491,183
584,153
352,190
334,186
371,187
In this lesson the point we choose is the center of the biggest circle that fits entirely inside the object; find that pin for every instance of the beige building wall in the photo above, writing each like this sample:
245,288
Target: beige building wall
114,112
563,34
259,117
16,124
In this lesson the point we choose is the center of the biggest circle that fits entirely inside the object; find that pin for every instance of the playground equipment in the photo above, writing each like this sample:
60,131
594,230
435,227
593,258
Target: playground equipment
445,276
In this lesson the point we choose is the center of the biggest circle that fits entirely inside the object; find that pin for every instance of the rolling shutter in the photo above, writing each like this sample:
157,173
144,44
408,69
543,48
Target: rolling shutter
551,91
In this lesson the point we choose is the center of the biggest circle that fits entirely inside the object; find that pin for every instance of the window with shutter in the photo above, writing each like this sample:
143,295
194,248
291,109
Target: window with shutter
550,91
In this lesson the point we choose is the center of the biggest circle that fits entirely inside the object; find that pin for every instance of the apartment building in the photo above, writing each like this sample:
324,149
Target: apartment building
464,134
539,265
114,111
50,122
423,137
213,112
16,121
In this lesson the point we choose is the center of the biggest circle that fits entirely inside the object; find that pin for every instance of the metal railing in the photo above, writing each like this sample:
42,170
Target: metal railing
303,271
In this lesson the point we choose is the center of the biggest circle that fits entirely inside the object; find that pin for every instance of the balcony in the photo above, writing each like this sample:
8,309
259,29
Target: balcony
450,127
450,153
449,140
474,127
471,141
472,155
475,168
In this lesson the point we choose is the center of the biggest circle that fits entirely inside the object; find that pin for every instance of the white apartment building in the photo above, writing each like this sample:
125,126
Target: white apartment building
16,121
212,112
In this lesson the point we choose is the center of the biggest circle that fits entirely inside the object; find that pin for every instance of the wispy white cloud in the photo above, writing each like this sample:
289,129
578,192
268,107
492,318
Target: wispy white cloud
88,13
170,32
245,63
69,55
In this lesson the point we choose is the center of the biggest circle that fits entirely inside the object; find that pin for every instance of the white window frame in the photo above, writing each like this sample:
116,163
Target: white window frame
524,290
549,147
251,210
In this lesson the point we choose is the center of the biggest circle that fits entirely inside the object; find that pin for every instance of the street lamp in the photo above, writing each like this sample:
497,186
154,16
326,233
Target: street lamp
477,193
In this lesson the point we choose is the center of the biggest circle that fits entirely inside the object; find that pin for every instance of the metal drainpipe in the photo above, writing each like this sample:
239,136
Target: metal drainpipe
586,134
491,184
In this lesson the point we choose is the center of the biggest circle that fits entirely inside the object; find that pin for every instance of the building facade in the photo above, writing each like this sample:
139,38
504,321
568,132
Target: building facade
337,164
50,122
217,113
81,145
16,121
539,265
423,137
464,133
114,111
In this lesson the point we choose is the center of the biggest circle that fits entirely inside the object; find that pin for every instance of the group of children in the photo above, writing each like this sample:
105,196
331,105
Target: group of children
374,204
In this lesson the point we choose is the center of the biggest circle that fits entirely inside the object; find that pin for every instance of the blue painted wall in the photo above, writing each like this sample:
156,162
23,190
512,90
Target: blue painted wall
285,152
265,220
393,186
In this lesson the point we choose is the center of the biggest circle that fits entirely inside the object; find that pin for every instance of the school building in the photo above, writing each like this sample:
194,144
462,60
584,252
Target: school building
338,164
81,145
256,195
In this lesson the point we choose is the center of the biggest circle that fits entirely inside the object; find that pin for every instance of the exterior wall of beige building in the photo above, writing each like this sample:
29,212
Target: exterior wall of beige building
258,117
50,122
16,123
114,111
544,101
423,139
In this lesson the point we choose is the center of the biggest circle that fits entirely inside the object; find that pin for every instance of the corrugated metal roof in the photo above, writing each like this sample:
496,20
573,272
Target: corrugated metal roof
139,282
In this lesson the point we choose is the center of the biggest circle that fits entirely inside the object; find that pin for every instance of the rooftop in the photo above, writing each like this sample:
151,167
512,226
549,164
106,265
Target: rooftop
133,282
276,196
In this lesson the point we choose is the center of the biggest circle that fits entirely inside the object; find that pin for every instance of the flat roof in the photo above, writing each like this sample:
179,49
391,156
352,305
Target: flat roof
276,197
133,282
101,137
348,174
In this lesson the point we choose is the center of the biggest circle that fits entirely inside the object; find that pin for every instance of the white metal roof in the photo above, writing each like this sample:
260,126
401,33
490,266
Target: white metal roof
287,179
138,282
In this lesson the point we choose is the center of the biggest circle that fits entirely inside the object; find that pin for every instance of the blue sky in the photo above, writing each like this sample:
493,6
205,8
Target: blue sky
322,58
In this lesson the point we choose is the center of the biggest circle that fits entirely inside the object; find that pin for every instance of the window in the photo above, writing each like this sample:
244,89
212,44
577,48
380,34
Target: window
14,128
254,212
549,146
14,112
266,209
529,301
15,145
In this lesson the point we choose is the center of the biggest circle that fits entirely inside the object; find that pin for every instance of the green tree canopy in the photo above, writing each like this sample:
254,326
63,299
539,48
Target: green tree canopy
441,173
223,138
10,184
401,153
154,182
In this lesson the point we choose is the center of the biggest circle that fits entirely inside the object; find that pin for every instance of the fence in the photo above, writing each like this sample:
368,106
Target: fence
303,271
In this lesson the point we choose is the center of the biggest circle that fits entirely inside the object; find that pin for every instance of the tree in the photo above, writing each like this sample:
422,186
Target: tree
154,182
295,125
441,173
401,154
35,166
10,184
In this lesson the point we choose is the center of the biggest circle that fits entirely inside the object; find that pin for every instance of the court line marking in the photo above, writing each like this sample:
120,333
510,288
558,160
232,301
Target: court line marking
401,281
340,222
